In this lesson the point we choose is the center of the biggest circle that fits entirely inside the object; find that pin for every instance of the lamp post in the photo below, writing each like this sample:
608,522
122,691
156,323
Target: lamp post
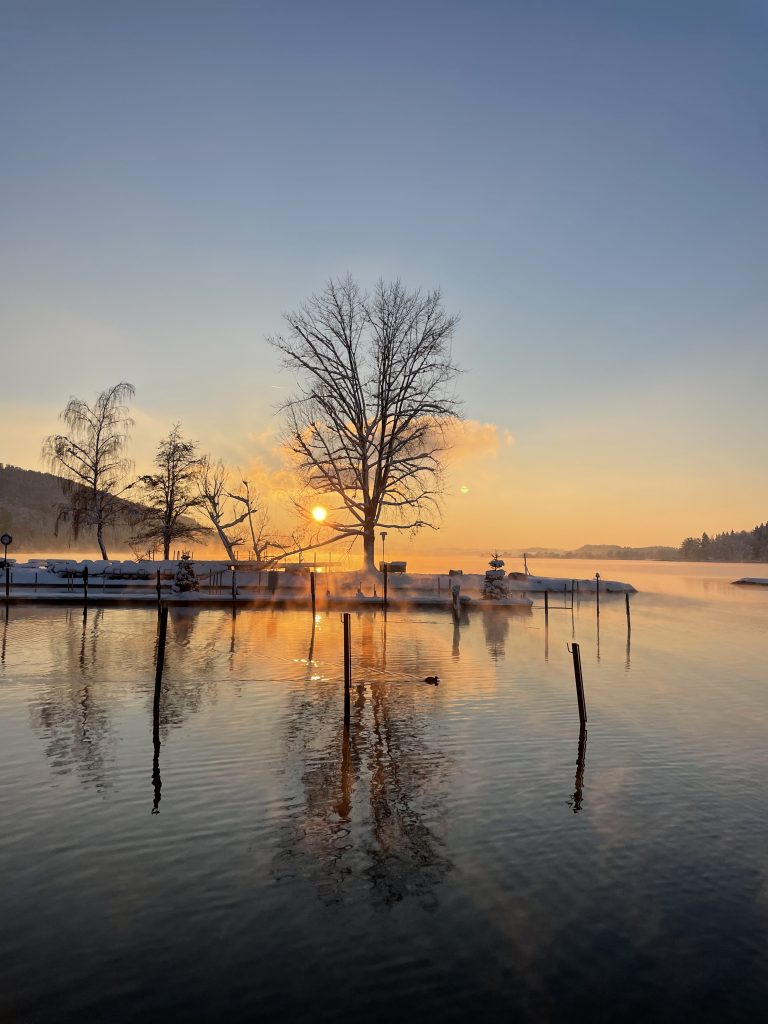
383,536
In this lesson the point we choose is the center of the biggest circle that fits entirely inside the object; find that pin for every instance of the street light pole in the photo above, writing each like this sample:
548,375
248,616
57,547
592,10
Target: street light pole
383,536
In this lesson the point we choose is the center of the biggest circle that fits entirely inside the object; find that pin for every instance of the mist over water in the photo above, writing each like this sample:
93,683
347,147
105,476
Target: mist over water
220,845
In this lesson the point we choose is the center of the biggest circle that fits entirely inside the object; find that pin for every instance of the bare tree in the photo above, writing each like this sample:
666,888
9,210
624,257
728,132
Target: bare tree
227,509
170,495
367,425
90,460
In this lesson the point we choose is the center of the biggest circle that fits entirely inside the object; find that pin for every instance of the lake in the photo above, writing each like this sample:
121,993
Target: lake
230,851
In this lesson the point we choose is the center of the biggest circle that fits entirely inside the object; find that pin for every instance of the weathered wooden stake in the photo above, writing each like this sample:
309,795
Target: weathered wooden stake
629,620
85,586
347,665
158,588
574,649
546,606
597,592
312,591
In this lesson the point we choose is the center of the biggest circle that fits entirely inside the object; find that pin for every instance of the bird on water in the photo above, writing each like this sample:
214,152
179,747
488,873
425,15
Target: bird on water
432,680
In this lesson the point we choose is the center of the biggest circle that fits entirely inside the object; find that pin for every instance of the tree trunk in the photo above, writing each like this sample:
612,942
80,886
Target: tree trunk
369,547
225,541
100,538
166,547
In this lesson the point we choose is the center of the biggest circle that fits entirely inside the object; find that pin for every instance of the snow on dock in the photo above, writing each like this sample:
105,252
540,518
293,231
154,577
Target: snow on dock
218,582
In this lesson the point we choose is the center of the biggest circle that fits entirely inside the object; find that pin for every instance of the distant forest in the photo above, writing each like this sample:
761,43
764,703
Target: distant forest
744,546
741,546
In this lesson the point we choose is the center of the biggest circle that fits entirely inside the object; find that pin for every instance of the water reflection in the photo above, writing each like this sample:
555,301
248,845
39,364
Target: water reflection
370,794
576,800
73,713
5,634
162,633
496,631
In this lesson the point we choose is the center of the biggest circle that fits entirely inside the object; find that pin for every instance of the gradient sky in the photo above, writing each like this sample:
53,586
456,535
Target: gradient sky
586,182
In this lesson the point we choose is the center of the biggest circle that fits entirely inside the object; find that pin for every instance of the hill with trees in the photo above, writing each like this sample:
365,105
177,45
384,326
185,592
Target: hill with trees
736,546
29,505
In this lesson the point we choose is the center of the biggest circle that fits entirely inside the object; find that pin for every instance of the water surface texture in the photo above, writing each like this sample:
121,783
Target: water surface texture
222,848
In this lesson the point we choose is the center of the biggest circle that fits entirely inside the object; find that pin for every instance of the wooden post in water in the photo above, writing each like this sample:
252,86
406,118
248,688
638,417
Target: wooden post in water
597,592
312,592
347,665
546,606
386,581
85,586
629,620
158,585
574,649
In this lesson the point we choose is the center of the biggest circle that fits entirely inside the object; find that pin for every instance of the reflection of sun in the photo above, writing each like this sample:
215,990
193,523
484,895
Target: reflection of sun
464,489
319,513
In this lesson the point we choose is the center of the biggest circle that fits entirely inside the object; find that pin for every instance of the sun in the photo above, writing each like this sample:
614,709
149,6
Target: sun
319,513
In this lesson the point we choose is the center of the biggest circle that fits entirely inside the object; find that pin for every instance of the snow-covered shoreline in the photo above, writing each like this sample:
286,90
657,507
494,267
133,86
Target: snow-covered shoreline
221,582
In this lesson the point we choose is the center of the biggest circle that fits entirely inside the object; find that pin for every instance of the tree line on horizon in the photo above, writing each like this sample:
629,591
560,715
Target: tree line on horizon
733,546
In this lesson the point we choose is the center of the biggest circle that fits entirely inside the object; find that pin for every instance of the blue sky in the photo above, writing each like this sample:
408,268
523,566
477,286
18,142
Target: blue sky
585,181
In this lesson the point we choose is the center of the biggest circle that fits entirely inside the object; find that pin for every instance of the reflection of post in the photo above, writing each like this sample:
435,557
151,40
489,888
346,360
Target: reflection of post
312,595
598,637
455,650
578,793
162,631
344,806
546,639
456,601
347,664
5,634
232,632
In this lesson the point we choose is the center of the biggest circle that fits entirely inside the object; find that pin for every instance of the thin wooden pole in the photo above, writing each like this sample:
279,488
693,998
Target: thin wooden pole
574,649
347,666
85,586
386,581
158,585
312,591
629,620
546,606
597,592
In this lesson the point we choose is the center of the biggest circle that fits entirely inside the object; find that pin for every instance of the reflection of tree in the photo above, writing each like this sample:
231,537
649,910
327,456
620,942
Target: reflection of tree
84,657
496,630
73,713
188,680
370,793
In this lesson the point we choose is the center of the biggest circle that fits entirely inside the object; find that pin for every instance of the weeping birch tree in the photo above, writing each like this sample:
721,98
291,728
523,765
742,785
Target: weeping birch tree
367,425
90,460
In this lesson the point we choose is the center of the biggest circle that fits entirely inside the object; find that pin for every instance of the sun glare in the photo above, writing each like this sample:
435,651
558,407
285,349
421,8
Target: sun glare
319,513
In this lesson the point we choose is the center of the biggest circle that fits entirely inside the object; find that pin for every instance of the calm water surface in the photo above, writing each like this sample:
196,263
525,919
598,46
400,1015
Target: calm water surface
231,853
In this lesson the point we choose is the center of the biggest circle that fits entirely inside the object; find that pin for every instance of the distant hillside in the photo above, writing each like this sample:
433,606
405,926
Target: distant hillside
28,506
